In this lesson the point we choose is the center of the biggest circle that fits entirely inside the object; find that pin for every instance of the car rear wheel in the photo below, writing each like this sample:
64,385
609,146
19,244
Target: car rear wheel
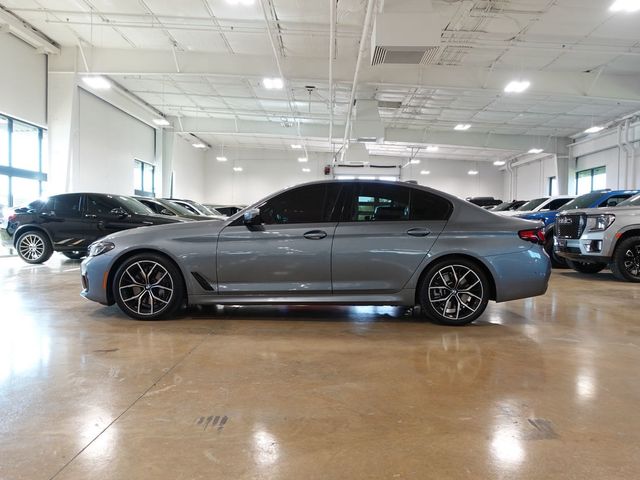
626,260
75,255
454,292
34,247
584,267
148,287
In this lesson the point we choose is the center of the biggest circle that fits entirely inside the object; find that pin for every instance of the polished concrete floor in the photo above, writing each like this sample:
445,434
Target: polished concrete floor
543,388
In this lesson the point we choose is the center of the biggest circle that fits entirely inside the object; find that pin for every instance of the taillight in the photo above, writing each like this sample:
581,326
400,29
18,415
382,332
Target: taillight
12,218
535,235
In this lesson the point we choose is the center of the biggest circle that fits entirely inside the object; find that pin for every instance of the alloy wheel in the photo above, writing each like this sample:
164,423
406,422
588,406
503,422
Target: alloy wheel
455,292
632,260
31,247
146,288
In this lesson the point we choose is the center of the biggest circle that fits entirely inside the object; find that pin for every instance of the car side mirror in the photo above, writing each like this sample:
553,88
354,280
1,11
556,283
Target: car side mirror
252,219
119,212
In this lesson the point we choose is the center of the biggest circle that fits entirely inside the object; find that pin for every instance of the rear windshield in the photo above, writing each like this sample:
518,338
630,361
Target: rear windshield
583,201
532,204
176,207
631,202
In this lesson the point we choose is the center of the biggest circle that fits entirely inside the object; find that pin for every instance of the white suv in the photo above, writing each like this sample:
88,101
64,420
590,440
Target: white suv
540,205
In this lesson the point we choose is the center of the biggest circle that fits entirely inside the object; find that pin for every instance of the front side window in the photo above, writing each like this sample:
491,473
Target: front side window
99,205
300,205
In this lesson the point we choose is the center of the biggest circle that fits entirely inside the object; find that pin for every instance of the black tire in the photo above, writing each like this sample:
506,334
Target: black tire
556,260
75,255
584,267
145,298
626,260
454,292
34,247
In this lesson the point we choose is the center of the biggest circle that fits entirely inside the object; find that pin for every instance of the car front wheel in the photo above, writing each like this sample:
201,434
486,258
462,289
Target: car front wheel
34,247
626,260
454,292
584,267
148,287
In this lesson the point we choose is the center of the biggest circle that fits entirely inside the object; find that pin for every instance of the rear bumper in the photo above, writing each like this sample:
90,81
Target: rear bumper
520,275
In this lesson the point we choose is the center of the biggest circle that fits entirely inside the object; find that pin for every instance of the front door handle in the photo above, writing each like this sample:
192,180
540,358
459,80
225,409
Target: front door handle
315,235
418,232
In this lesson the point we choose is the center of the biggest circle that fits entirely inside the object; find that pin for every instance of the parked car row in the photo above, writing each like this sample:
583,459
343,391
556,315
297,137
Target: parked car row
70,222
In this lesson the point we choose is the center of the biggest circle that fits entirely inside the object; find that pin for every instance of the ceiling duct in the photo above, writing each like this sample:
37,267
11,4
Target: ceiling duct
405,33
356,155
367,126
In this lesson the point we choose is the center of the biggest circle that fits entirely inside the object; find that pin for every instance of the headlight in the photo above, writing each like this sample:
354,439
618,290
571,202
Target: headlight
599,223
98,248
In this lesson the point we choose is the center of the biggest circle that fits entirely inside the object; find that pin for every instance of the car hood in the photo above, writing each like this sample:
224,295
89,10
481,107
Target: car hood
173,230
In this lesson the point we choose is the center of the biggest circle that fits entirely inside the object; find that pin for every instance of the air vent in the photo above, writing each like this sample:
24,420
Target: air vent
400,55
389,104
202,281
405,38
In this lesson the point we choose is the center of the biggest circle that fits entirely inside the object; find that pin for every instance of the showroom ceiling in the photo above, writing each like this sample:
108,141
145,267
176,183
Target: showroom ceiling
207,59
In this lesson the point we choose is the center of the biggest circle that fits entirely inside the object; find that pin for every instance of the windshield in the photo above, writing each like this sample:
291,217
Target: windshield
205,210
174,207
631,202
502,207
532,204
583,201
133,206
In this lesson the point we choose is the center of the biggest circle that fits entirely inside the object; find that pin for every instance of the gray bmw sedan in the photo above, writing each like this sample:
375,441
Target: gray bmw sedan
337,242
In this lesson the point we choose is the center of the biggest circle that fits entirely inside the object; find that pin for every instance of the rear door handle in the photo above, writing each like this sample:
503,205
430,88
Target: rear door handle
315,235
418,232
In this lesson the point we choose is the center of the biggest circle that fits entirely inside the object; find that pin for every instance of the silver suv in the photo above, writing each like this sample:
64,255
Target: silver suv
593,238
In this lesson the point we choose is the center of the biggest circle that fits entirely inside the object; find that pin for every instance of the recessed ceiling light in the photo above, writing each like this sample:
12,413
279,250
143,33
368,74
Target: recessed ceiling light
161,122
306,170
628,6
462,126
221,159
499,163
199,145
595,129
517,86
296,146
424,172
272,83
245,3
432,148
303,159
97,82
536,150
237,169
472,172
415,161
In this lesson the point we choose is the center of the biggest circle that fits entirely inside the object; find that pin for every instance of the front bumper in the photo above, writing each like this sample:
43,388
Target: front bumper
94,277
591,247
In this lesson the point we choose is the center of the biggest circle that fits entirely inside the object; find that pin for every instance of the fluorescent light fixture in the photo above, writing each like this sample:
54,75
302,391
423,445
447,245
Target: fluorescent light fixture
499,163
272,83
472,172
199,145
346,177
388,179
432,148
536,150
221,159
306,170
425,172
245,3
303,159
595,129
97,82
161,122
627,6
517,86
462,126
296,146
237,169
415,161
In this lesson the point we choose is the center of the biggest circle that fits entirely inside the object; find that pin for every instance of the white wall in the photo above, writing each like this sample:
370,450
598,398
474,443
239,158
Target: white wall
108,142
266,171
188,167
23,80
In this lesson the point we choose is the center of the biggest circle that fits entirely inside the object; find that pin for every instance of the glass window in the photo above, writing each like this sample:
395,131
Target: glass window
4,191
143,179
25,147
556,204
4,141
532,204
614,200
300,205
426,206
67,205
101,205
592,179
24,190
553,186
380,202
631,202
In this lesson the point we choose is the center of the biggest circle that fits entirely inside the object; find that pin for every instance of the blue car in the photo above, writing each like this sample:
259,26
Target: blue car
595,199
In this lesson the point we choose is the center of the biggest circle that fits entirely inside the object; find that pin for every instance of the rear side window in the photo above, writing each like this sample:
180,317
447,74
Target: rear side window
67,206
308,204
376,202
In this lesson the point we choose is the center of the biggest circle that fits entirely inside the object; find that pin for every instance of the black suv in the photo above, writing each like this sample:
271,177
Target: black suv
70,222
